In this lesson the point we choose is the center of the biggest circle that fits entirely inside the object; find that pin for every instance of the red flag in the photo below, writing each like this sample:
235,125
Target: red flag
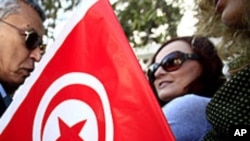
88,87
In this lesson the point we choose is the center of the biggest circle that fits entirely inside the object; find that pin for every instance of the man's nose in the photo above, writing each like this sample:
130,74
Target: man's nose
36,54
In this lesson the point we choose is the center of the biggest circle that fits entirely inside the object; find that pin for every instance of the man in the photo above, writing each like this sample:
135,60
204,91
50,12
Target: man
21,31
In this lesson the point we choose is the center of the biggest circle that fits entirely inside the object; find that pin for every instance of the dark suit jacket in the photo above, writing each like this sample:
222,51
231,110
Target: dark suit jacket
2,106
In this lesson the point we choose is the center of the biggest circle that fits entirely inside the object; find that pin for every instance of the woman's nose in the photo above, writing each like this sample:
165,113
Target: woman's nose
159,72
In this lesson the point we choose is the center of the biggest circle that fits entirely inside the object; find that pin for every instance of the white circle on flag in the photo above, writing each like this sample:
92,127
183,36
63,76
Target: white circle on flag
68,114
71,112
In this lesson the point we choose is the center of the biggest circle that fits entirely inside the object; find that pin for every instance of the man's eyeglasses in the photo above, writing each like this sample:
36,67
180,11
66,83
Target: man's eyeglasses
32,39
170,62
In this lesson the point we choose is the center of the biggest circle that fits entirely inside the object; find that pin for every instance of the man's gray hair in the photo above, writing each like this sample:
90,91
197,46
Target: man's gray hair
8,7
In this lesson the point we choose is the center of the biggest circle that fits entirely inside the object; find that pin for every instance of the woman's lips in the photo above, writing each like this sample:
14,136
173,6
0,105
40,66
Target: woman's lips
164,84
218,5
215,2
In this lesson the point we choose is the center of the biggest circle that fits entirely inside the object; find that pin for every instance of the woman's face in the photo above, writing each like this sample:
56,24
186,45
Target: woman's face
234,13
175,83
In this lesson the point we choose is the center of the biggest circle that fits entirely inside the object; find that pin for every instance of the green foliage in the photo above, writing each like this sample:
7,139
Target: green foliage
143,21
147,21
52,8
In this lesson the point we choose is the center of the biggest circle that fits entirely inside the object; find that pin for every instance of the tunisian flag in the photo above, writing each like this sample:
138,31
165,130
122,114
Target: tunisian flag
88,87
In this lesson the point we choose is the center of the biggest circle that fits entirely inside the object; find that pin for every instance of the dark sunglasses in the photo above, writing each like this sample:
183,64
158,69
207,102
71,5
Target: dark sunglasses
32,39
170,62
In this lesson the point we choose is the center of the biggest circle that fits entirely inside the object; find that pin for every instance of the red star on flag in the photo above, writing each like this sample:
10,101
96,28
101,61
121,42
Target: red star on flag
70,133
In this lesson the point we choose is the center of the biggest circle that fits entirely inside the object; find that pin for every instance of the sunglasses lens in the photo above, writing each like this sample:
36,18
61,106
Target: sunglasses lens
172,62
33,41
151,70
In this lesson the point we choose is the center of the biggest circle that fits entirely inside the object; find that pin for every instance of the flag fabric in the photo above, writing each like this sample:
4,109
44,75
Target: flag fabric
89,86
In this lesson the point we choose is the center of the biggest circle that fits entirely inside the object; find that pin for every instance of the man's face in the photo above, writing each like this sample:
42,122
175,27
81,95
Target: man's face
16,60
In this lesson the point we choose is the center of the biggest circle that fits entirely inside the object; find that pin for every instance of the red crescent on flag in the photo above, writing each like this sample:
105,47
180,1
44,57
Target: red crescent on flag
87,102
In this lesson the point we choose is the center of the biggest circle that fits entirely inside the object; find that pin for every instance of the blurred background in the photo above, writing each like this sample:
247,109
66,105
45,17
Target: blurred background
146,23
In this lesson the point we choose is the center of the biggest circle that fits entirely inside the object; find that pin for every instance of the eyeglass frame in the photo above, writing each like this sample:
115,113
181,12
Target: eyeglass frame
183,57
27,34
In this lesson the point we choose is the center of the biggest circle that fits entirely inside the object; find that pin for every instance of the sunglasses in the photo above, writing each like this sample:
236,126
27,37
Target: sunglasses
32,39
170,62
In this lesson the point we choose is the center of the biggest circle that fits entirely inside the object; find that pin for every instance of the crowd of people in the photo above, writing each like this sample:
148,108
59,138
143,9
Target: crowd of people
185,73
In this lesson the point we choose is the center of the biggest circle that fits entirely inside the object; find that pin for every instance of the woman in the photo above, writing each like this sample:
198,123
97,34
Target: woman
230,20
185,72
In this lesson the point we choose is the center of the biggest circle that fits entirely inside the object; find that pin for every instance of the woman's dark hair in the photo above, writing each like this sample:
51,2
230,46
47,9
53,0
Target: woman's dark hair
211,77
